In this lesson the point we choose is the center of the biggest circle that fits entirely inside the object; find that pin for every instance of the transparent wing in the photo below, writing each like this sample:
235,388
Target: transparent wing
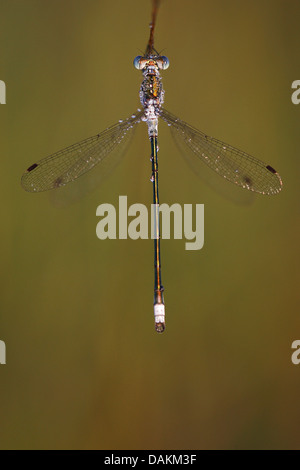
72,162
229,162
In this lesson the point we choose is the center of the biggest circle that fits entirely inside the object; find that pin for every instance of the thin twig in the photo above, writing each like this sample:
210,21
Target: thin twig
150,47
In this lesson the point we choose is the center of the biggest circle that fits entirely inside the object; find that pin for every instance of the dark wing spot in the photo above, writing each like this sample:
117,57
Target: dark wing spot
32,167
247,180
268,167
58,182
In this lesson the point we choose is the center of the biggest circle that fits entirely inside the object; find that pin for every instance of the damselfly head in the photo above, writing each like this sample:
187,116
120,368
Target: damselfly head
161,62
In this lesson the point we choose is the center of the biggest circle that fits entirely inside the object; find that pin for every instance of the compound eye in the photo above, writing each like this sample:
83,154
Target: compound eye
165,61
137,63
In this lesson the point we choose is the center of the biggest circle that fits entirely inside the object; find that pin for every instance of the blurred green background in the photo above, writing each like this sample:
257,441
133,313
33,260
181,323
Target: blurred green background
85,368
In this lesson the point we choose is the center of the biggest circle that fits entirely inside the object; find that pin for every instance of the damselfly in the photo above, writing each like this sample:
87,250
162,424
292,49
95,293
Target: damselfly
232,164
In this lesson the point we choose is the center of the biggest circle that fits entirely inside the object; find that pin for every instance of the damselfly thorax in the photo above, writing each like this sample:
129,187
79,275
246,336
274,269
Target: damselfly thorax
151,91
